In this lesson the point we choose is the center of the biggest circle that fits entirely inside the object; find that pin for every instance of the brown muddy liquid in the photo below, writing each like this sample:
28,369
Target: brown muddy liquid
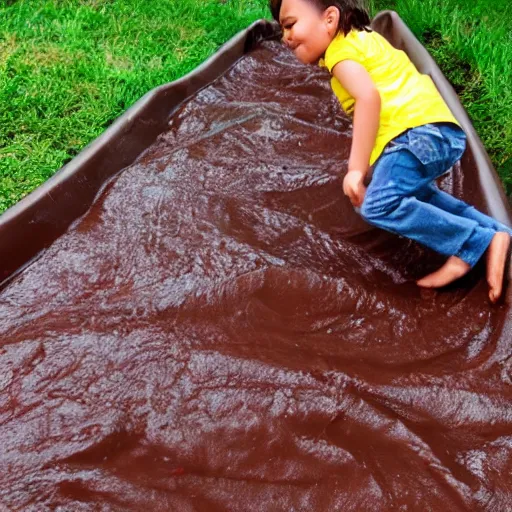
222,332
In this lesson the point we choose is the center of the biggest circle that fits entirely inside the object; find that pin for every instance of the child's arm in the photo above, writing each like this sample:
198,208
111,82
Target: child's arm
357,82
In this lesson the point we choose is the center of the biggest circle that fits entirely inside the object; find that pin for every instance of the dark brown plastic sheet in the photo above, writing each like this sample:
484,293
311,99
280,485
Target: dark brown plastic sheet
220,331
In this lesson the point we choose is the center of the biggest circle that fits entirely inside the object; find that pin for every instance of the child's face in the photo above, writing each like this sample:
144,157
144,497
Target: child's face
307,30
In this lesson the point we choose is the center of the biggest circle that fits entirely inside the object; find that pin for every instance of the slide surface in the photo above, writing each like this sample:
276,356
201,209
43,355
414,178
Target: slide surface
221,331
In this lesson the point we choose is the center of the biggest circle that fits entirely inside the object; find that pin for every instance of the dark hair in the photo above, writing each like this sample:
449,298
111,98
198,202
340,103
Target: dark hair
352,14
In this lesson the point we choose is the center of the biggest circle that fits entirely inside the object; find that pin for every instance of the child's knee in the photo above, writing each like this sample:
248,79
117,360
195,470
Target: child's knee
370,210
374,209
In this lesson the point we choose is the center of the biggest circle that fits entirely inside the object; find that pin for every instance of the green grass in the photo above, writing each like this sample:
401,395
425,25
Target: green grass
69,68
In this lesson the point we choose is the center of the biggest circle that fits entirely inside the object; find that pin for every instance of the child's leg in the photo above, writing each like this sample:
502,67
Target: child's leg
496,253
390,204
448,203
455,267
404,176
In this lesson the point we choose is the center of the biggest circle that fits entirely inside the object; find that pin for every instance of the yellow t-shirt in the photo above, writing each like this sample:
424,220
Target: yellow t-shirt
408,98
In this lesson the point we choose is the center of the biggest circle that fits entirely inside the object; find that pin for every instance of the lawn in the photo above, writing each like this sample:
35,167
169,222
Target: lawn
69,68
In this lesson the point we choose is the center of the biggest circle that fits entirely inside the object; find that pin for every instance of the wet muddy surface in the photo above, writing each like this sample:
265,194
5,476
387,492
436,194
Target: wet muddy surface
222,332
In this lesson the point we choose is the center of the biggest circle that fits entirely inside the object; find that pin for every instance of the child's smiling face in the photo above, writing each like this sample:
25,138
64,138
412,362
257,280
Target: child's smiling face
308,30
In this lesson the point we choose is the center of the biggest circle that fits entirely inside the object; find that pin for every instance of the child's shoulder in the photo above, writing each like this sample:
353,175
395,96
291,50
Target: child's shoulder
356,45
366,38
360,39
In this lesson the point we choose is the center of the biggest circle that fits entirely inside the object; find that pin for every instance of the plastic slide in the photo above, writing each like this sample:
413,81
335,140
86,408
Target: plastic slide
193,318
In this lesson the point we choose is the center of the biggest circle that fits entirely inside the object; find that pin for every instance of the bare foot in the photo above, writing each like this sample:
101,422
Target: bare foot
449,272
496,259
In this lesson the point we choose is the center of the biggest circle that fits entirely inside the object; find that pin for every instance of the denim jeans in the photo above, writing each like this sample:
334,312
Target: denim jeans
403,197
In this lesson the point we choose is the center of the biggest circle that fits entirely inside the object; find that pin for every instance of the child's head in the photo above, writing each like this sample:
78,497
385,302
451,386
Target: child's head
310,25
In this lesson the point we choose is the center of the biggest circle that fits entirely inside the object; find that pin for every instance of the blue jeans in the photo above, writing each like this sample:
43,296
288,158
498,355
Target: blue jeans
403,197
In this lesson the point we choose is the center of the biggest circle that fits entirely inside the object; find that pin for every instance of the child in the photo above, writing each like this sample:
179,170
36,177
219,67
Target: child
402,126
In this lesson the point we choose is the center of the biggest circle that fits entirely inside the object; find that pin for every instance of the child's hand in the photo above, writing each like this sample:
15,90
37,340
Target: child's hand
354,188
